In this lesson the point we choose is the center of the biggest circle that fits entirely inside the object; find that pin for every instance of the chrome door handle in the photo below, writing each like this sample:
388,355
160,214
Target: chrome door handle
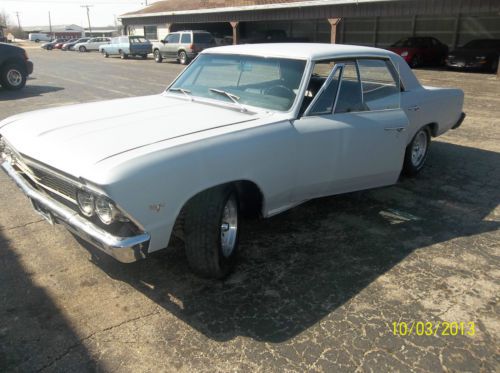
414,108
399,129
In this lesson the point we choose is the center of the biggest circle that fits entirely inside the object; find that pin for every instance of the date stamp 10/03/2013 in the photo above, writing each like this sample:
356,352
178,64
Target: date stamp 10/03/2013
438,328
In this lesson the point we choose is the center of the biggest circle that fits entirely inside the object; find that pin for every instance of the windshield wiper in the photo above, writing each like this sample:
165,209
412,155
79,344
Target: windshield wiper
230,96
186,92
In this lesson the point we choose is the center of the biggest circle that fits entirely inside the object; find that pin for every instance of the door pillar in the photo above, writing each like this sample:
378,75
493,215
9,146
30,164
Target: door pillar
333,33
236,31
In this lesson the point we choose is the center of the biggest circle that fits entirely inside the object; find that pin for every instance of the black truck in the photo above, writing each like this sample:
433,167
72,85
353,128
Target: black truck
14,67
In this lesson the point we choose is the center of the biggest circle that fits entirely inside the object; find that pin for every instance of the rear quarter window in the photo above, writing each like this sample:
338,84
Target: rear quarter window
203,38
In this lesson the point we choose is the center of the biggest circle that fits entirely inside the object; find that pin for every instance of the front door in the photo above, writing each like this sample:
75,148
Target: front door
172,45
352,136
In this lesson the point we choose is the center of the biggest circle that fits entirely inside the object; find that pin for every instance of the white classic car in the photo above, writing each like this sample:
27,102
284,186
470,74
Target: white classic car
248,129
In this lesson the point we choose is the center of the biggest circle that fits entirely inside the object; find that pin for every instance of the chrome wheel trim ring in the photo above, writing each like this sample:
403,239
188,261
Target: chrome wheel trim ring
14,77
229,227
419,149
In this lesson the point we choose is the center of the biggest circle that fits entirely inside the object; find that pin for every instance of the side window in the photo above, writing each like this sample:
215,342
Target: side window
173,38
380,85
350,95
151,32
186,39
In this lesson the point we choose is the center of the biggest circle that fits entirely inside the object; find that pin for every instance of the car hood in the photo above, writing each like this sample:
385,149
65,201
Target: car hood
74,138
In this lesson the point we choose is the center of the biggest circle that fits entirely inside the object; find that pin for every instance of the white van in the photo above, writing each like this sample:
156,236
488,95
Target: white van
39,37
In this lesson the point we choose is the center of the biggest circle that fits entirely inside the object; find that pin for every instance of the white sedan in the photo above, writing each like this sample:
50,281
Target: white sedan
248,129
91,44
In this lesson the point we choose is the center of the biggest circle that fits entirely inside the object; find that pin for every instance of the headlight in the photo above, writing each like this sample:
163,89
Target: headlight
451,56
86,202
404,54
106,210
480,58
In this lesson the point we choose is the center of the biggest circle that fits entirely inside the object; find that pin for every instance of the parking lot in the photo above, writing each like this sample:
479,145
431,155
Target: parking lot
317,288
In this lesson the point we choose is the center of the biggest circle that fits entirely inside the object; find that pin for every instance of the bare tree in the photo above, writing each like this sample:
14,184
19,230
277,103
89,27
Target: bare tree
4,18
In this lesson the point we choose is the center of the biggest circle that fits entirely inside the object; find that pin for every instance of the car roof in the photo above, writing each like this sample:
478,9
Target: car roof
312,51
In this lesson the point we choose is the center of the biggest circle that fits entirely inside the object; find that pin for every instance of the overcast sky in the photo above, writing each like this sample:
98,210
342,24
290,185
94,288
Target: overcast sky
62,12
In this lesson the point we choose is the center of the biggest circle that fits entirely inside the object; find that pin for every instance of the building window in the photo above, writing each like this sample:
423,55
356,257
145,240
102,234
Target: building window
151,32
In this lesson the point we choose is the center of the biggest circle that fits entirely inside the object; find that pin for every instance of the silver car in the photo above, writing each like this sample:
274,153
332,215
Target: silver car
92,44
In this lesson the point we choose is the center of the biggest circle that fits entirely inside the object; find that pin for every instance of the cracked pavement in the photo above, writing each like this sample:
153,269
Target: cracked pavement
316,289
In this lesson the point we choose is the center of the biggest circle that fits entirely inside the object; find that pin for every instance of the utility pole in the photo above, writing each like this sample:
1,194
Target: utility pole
88,16
50,26
18,21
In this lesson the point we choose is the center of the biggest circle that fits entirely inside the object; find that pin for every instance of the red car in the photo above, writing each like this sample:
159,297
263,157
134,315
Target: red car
421,51
59,45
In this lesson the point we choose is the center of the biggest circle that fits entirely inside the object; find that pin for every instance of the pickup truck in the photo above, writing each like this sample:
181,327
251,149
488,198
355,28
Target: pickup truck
14,67
244,130
126,46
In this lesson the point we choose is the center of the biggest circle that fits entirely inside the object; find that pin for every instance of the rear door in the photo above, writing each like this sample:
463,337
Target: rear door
352,136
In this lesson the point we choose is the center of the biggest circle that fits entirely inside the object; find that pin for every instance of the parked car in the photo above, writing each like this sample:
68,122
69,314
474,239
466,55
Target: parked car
421,51
126,46
481,54
182,45
38,37
92,44
49,46
221,39
15,67
70,44
245,129
65,41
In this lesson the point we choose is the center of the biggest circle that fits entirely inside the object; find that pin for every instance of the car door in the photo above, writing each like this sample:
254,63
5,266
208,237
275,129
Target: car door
172,45
351,137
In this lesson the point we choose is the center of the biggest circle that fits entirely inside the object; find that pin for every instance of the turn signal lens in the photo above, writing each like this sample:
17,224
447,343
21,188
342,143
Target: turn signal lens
85,201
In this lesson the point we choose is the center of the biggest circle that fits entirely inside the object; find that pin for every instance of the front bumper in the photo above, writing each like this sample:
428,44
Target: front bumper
465,64
123,249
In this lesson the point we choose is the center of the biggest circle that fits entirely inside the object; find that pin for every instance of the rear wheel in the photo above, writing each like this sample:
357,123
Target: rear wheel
416,61
13,77
157,55
494,64
123,55
212,231
144,56
416,152
183,58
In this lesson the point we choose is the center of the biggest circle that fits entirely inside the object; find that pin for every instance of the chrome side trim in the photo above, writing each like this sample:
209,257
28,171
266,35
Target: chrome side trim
123,249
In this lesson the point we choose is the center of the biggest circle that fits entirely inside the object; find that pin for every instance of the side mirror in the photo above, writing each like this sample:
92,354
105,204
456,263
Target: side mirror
164,41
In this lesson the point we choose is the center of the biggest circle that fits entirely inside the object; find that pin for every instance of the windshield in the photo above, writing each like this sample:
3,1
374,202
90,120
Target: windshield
269,83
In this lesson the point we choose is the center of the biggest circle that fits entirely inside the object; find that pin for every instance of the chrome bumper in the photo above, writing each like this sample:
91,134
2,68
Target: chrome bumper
123,249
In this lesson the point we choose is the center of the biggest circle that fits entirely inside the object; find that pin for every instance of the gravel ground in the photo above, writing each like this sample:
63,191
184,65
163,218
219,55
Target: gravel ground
317,289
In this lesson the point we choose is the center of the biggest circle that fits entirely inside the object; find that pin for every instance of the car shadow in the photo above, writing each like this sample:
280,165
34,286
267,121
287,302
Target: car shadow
27,92
298,267
34,333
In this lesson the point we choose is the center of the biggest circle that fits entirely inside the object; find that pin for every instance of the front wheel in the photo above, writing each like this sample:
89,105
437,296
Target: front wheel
416,61
82,49
416,152
212,232
157,55
123,55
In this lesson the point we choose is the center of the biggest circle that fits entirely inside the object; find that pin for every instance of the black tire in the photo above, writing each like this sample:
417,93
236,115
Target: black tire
13,77
203,232
413,165
37,40
157,56
144,56
494,65
106,54
416,61
123,56
183,58
82,49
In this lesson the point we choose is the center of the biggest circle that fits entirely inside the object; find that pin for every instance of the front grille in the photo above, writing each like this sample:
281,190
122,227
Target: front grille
45,178
54,183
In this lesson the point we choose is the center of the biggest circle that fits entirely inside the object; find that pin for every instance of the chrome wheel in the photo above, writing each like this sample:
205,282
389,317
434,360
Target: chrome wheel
229,226
419,149
14,77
